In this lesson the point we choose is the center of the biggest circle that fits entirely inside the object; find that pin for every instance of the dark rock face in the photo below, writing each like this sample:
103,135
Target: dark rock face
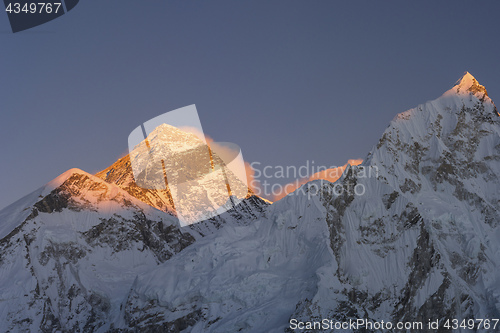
54,202
120,174
120,234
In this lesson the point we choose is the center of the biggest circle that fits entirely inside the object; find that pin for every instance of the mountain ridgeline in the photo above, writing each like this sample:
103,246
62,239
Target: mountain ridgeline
97,253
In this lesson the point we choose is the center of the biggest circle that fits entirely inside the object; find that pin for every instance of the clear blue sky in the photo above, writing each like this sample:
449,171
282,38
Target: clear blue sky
288,81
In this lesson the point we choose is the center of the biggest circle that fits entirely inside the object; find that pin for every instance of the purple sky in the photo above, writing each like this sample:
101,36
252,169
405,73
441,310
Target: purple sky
288,81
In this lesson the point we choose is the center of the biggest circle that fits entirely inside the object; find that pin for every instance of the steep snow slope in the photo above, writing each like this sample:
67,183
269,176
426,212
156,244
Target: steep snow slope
423,241
244,278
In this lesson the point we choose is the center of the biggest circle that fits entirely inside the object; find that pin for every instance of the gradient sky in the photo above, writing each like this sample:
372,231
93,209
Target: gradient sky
288,81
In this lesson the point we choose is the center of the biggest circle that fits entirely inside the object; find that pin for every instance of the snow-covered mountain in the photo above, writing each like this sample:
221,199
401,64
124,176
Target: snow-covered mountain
71,250
410,235
423,242
184,151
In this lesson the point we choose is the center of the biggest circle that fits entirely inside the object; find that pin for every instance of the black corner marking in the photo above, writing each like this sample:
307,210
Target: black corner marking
26,14
70,4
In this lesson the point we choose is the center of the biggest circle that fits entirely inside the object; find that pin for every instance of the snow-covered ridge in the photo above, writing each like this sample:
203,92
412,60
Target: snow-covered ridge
92,192
428,227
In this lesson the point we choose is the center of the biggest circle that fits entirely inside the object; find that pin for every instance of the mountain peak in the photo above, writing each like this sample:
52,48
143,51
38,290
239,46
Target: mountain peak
59,180
186,133
468,84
